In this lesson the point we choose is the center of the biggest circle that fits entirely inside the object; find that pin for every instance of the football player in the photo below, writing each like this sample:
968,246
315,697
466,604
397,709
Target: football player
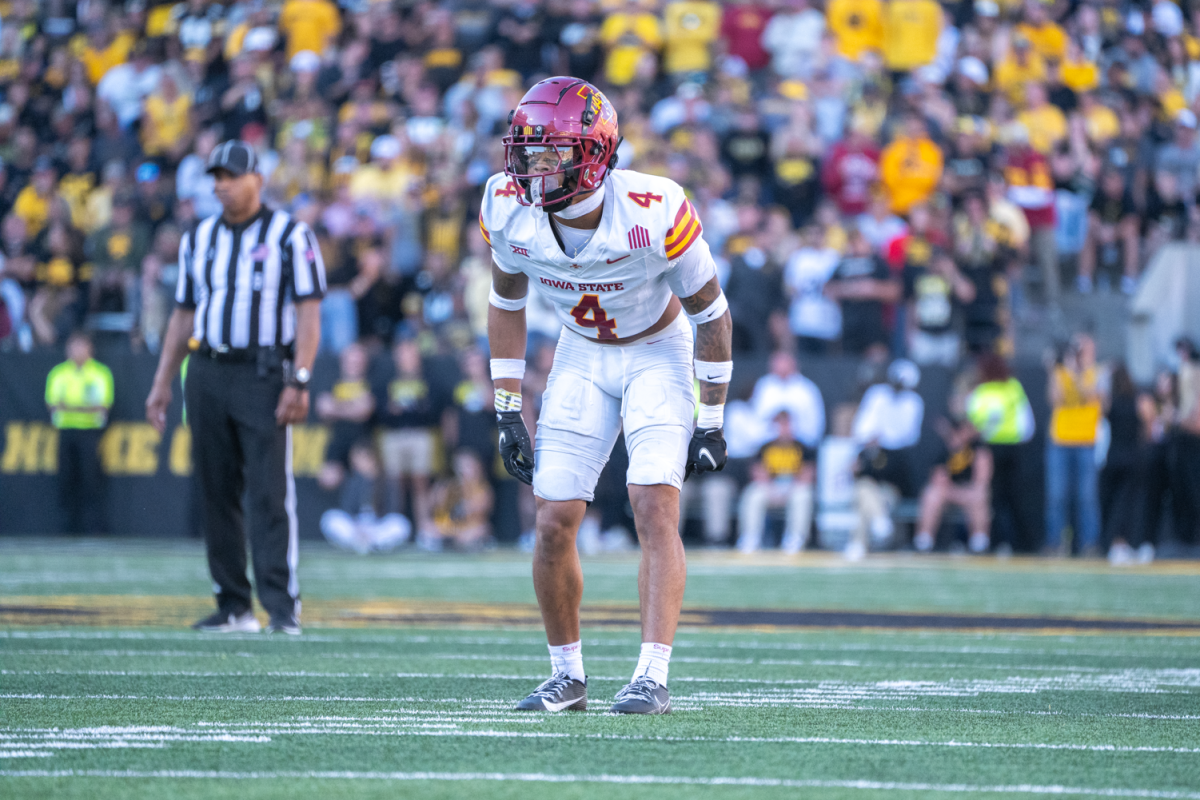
620,255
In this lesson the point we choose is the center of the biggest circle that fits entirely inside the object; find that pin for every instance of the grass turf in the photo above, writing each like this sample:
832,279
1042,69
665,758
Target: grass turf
374,712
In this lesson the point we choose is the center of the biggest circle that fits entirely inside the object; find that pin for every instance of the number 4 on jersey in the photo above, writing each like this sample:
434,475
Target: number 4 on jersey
644,199
590,304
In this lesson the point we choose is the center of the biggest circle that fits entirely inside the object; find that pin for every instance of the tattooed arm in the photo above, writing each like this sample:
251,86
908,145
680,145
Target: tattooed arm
714,339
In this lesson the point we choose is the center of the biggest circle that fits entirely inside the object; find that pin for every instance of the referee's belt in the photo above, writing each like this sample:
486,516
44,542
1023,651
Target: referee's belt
244,355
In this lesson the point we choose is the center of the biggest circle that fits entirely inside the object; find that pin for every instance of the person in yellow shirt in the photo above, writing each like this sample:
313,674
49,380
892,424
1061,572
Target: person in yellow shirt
911,166
166,120
857,24
692,27
33,202
1076,72
105,50
1071,450
309,25
79,394
1021,67
629,35
910,33
1048,40
1046,123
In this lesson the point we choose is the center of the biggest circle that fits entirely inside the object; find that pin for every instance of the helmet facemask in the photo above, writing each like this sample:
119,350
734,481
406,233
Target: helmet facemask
547,172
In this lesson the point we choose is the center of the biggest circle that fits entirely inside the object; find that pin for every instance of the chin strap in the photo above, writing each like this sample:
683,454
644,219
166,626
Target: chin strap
583,207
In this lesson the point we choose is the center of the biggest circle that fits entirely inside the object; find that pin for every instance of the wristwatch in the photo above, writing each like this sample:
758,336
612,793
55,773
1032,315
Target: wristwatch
300,378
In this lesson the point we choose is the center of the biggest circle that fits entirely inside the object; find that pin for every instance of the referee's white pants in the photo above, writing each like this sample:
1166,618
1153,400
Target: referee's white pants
596,389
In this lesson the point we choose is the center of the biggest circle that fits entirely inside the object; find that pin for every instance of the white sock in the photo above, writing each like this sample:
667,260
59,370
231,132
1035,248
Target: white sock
568,658
654,662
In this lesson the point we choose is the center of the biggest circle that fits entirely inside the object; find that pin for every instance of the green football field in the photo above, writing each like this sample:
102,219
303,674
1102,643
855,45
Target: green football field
901,677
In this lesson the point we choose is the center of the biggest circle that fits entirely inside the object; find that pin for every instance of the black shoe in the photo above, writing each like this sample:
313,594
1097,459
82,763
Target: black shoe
228,622
560,693
284,623
643,696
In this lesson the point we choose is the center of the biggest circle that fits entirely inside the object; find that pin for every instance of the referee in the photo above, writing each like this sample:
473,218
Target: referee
248,309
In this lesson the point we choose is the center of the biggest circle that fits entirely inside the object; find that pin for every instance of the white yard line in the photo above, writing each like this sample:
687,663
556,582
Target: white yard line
865,785
263,731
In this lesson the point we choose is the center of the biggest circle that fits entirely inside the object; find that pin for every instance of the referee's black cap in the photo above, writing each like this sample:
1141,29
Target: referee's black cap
234,156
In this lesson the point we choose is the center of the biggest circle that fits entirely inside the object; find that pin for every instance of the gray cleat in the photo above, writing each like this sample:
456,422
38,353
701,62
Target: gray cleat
560,693
643,696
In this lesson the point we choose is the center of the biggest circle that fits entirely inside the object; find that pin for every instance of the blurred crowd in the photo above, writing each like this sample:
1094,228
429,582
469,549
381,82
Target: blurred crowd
878,179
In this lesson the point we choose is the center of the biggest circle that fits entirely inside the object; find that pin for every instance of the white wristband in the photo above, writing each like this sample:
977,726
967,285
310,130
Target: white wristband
505,304
710,417
508,368
716,308
714,371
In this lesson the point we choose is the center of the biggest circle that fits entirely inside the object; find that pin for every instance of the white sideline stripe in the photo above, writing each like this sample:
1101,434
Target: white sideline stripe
519,777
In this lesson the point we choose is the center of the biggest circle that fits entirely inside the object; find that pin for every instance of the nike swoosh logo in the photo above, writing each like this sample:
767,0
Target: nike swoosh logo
615,260
705,454
503,437
559,706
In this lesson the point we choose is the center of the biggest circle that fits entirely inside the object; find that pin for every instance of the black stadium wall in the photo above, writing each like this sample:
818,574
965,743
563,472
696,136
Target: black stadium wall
148,477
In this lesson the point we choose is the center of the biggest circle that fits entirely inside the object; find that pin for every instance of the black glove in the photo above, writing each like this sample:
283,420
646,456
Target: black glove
515,447
706,452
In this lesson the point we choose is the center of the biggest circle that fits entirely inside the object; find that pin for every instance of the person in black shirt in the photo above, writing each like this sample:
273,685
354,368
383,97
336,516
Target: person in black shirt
1112,227
934,293
862,284
407,414
347,408
962,477
1120,480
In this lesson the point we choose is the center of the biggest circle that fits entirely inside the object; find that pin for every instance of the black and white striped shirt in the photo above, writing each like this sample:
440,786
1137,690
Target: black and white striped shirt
243,281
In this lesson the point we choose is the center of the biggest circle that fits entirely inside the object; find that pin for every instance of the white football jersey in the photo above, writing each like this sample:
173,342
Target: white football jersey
620,283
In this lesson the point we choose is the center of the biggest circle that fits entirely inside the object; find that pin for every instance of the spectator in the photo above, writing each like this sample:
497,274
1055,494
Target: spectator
962,476
742,29
857,25
347,408
782,476
1181,156
934,294
862,285
691,30
356,523
407,413
1070,452
1032,188
1000,411
631,36
911,165
814,318
192,182
1112,235
160,275
887,426
1157,411
785,389
851,169
982,255
462,508
79,395
309,25
1120,480
167,120
792,37
1185,472
33,202
911,29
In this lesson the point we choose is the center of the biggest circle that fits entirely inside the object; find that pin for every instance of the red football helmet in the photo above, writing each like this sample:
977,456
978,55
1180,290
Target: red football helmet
562,141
